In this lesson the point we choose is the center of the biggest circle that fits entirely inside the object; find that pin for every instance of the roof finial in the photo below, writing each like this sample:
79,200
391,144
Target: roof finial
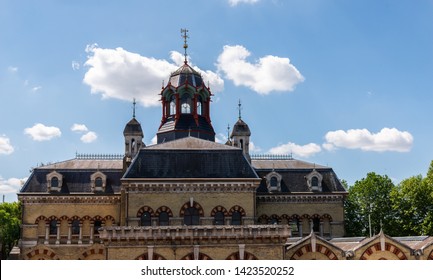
240,108
228,131
133,108
185,45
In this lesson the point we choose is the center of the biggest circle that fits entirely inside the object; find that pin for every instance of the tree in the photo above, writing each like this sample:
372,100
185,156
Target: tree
10,221
368,208
413,203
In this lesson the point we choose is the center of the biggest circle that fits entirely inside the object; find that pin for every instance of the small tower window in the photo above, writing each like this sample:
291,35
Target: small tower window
173,106
199,109
186,105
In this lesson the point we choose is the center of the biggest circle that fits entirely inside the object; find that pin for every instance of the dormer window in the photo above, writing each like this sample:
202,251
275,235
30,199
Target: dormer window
98,182
314,181
54,182
273,182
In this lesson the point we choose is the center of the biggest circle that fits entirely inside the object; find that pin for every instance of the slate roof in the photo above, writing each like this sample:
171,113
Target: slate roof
190,158
76,176
294,174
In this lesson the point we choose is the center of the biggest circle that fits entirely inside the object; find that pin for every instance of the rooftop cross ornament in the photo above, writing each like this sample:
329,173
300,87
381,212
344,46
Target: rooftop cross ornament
228,132
133,108
240,108
185,45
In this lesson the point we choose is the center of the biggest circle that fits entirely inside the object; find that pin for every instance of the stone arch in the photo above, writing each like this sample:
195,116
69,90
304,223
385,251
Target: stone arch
236,256
195,205
219,208
295,217
375,249
155,257
286,218
306,253
164,209
109,220
315,216
237,208
145,209
201,256
41,253
75,217
326,216
274,217
41,218
93,254
263,219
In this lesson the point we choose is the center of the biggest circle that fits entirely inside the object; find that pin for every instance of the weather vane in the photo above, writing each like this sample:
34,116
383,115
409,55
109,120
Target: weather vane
133,108
185,45
240,108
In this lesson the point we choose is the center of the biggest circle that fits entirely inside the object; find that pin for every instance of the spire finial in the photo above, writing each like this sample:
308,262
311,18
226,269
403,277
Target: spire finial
240,108
133,108
185,45
228,131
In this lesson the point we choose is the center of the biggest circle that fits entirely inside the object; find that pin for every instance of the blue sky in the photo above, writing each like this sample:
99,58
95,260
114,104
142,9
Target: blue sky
348,84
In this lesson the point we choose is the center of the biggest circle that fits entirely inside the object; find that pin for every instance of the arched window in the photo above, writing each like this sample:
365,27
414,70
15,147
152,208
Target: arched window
98,182
75,226
273,221
173,105
274,182
146,219
132,146
199,109
163,218
191,216
219,218
316,224
54,182
53,227
186,105
236,218
96,225
295,225
314,181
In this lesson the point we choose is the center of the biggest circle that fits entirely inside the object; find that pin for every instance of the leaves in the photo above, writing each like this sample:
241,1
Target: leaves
10,220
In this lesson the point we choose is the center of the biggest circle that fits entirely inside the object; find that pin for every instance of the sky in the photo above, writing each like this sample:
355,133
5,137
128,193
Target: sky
345,84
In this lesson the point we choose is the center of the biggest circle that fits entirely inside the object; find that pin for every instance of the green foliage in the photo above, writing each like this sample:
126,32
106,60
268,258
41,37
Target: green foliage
368,206
10,221
402,210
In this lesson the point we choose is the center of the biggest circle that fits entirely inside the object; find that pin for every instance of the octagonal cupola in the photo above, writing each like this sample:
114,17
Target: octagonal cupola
241,135
185,105
133,135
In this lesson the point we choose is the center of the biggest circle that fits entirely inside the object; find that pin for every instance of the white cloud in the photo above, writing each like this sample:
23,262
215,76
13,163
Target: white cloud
254,148
5,146
75,65
304,151
269,73
79,128
13,69
236,2
40,132
117,73
11,185
154,140
388,139
89,137
36,88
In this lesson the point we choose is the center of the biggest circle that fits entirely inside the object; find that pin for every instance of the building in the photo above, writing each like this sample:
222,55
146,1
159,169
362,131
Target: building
188,197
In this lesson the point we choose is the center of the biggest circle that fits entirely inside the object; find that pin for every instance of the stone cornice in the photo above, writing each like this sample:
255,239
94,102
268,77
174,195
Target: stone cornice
301,198
68,199
191,186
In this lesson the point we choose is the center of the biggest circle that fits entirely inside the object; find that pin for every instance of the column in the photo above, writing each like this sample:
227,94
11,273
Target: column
47,233
321,228
241,251
80,236
69,232
300,229
92,226
58,233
